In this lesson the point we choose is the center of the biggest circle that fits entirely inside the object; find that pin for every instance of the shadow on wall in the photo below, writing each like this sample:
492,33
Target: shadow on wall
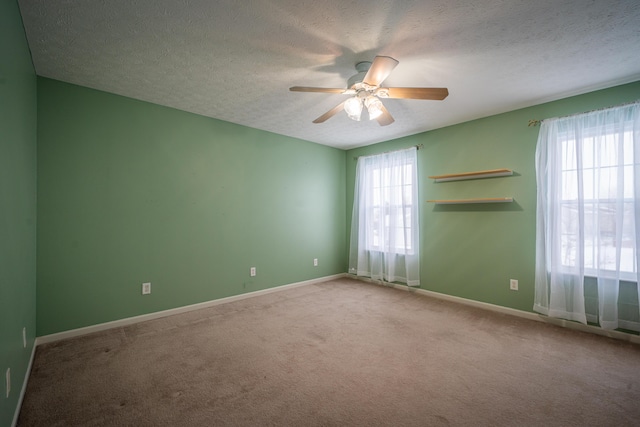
479,207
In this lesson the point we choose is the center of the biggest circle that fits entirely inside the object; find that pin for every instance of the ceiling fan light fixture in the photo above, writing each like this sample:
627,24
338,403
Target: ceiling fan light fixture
374,107
353,108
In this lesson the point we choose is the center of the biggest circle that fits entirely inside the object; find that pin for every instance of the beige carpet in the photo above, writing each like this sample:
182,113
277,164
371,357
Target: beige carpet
337,353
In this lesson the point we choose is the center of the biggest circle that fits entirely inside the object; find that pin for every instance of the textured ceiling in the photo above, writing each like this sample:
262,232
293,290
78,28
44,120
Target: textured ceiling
235,60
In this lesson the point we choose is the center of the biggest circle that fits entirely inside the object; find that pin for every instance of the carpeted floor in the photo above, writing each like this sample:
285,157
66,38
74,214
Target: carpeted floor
338,353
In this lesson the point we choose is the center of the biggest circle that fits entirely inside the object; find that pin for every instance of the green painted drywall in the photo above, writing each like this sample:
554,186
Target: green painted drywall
472,251
17,205
132,192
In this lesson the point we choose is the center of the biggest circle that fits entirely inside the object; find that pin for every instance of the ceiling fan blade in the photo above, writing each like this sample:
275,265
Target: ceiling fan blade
385,118
335,110
316,89
435,93
380,69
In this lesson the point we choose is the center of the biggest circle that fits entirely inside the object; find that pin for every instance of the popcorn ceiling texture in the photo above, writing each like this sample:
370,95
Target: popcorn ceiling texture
235,60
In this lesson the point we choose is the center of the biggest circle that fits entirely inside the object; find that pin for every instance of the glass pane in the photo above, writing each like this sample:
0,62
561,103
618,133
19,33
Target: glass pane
607,150
569,155
408,174
604,236
569,231
587,153
628,148
588,184
628,250
628,182
569,185
607,183
374,227
408,194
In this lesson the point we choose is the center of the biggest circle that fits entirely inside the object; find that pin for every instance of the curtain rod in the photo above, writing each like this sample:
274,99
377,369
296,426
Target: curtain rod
536,122
418,146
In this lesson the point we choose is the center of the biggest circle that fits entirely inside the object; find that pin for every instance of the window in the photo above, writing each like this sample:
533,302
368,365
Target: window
604,211
390,210
384,226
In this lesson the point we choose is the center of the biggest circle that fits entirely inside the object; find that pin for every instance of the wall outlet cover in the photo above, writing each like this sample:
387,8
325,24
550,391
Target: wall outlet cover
513,284
146,288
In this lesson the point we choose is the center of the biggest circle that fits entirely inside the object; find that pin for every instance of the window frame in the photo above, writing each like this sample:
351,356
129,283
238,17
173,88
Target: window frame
594,203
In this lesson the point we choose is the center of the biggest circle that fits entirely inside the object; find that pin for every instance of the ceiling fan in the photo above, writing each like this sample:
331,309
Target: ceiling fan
365,88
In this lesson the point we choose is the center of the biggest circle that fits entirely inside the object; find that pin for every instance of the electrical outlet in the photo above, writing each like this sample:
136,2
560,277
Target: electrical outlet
146,288
24,337
315,262
513,284
253,271
8,381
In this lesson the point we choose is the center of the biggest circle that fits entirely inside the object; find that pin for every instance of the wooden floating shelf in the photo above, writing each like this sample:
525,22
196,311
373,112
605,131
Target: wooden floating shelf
472,175
469,201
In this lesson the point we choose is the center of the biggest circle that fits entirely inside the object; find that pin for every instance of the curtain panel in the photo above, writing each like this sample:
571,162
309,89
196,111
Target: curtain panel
588,211
384,228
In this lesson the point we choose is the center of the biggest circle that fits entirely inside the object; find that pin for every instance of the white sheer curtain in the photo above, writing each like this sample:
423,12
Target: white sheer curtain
384,226
588,212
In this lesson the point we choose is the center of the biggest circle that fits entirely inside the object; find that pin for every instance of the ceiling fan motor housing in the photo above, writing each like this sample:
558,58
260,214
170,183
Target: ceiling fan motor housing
361,68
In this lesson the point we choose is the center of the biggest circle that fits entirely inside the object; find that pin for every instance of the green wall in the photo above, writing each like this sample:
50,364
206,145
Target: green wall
472,251
132,192
17,205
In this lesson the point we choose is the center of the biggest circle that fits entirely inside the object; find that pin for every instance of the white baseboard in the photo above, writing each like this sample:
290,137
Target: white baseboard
158,314
25,381
483,305
511,311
